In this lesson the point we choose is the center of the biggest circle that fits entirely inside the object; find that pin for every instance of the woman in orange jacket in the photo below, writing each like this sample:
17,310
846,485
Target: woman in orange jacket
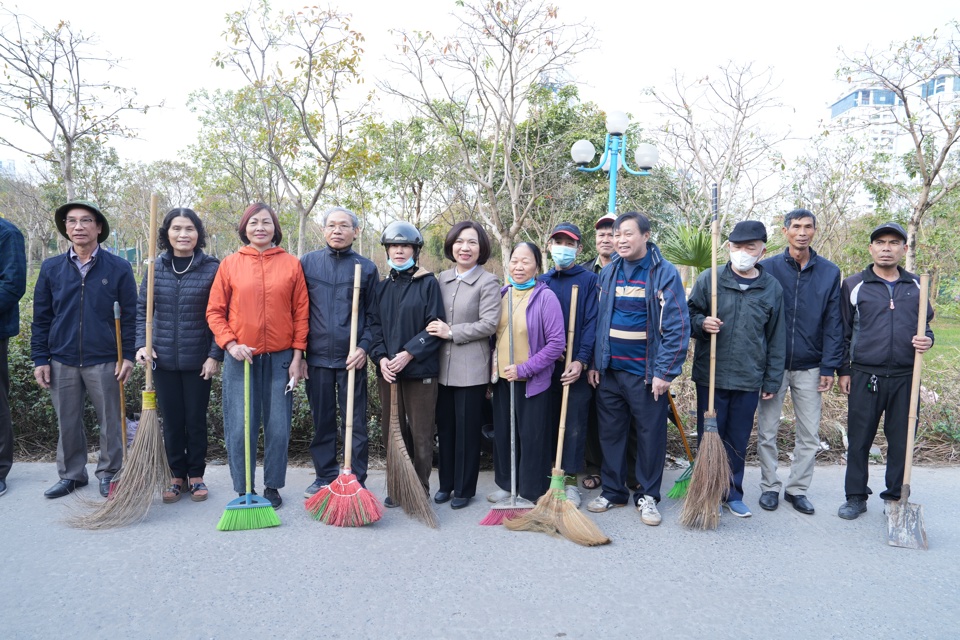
259,312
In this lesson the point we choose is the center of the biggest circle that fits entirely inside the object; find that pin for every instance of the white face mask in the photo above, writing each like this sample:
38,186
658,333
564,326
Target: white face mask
742,261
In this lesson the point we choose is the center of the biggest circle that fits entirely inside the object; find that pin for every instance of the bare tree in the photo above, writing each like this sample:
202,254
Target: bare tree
476,84
298,66
712,133
52,85
926,111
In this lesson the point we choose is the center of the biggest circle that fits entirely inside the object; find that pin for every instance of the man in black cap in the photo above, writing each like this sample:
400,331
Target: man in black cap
880,307
74,343
751,338
564,246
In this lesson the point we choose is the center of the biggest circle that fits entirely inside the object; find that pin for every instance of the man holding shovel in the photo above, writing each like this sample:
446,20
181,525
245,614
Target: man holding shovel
880,307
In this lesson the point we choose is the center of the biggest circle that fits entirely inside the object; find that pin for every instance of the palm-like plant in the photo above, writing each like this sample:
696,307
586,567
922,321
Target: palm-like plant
687,246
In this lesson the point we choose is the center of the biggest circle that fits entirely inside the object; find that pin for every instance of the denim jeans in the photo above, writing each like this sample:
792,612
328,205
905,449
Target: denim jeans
270,406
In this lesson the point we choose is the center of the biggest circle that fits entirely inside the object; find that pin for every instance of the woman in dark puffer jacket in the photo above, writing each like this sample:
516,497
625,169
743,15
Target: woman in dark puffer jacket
185,356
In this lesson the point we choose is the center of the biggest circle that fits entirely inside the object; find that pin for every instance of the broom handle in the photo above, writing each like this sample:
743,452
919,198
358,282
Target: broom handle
683,436
352,373
566,388
246,423
513,401
715,233
915,387
152,243
123,405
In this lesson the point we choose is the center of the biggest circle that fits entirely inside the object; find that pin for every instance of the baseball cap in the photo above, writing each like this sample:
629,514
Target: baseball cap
888,227
567,229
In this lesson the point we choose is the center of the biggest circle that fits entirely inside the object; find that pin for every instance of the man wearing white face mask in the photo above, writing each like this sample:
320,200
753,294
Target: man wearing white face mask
565,245
751,343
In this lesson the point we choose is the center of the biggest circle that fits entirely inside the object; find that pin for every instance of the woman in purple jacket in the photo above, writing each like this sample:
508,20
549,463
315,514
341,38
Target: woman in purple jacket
538,342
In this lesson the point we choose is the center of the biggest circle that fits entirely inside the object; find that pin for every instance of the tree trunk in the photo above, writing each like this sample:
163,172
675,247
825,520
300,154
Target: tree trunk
301,230
911,246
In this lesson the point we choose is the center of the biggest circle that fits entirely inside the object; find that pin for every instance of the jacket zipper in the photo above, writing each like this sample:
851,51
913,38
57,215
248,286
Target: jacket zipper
176,327
793,325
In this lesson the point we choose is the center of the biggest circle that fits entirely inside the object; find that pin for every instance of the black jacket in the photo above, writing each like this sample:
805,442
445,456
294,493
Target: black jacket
329,275
811,310
878,327
73,316
750,345
181,337
408,301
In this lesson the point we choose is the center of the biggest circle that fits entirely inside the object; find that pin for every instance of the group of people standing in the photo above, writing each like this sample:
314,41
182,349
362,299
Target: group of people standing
447,344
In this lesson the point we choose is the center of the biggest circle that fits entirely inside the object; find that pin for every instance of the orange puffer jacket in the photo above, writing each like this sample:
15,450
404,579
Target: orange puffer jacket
260,300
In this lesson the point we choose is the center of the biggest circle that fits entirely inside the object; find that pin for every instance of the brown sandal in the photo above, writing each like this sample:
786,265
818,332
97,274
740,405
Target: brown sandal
198,491
172,494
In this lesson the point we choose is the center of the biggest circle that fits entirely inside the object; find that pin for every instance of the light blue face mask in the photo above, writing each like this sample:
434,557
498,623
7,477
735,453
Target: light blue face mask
401,267
563,256
522,287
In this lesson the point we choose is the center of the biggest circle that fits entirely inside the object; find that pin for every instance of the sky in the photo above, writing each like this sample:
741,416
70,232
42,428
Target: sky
167,49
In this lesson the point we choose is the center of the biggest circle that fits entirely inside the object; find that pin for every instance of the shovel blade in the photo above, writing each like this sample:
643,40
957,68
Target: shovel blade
905,525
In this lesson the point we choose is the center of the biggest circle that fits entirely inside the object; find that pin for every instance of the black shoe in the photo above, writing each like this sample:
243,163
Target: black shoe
105,485
63,487
441,496
770,500
801,504
852,508
389,503
459,503
274,497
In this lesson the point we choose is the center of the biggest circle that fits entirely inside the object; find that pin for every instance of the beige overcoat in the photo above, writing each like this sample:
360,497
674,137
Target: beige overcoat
472,308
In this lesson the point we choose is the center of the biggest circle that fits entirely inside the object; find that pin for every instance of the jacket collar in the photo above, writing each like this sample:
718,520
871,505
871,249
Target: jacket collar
726,275
652,250
339,253
450,275
564,273
250,251
870,276
793,263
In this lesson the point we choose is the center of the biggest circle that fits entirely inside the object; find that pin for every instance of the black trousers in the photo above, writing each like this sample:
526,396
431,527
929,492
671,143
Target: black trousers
183,397
459,420
6,425
533,442
735,411
864,407
326,391
624,400
579,399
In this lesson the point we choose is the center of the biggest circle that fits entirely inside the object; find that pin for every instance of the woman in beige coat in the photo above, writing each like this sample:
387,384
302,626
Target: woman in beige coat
471,302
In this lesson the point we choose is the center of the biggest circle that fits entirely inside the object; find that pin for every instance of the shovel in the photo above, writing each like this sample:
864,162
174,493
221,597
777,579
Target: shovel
905,519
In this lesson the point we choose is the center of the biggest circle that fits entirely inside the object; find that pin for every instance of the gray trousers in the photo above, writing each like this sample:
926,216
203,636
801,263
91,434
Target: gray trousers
68,385
806,407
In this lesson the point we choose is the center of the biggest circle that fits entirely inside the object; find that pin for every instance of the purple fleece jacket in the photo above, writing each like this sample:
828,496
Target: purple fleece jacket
544,337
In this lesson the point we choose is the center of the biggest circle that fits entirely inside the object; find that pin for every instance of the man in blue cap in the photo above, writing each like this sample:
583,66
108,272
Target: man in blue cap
880,308
751,338
74,342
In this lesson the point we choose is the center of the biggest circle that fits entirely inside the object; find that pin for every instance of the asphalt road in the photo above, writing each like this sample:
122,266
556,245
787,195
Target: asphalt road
775,575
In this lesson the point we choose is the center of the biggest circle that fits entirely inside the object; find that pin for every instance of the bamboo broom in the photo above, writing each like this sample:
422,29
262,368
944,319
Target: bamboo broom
554,513
145,471
345,502
403,483
710,481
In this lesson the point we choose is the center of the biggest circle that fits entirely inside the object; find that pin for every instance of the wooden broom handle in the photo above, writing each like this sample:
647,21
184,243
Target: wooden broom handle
566,388
715,233
152,244
352,373
915,385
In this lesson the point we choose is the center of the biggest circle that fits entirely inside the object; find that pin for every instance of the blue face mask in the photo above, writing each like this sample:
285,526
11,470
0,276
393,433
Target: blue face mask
522,287
400,267
563,256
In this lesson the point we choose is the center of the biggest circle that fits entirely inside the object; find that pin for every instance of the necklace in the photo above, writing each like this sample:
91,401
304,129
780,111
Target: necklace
187,268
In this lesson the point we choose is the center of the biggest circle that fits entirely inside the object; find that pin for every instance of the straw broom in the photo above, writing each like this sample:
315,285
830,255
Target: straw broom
554,514
145,471
682,485
403,483
248,511
513,505
345,502
711,473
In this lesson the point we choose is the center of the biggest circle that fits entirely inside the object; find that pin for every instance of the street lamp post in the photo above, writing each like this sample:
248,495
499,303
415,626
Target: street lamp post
614,151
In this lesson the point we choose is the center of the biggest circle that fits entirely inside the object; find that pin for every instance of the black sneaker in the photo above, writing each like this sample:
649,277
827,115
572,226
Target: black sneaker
389,503
852,508
274,497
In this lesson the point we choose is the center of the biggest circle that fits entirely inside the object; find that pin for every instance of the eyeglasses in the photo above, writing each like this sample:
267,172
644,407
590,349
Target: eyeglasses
82,222
341,227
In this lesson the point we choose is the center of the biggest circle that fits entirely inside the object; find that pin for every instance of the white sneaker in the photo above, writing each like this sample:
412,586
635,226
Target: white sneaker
498,495
601,504
573,495
647,506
